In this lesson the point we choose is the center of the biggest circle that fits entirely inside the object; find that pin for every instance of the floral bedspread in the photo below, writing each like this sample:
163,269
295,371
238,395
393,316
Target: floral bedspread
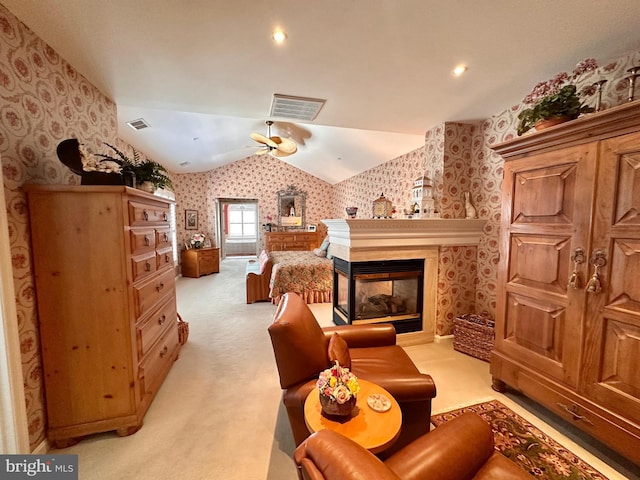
301,272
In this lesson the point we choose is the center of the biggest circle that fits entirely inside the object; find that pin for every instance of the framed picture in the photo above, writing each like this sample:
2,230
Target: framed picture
191,219
311,227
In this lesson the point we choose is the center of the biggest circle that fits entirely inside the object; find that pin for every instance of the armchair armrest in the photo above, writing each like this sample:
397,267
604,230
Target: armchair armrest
363,336
327,454
454,450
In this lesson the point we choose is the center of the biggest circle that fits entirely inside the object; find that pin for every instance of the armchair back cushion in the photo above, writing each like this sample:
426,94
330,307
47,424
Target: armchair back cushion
299,344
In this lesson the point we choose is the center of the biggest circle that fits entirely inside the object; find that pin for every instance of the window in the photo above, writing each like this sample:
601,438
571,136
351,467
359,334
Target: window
242,222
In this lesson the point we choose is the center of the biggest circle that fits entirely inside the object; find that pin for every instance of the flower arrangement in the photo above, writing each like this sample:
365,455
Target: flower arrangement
557,97
338,383
197,240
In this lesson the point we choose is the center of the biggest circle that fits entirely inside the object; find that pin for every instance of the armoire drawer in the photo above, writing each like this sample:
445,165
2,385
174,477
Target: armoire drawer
145,214
158,361
163,237
142,240
143,265
149,293
153,326
164,257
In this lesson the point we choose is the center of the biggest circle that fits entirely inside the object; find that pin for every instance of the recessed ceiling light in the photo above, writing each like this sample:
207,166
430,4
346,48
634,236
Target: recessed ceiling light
459,70
279,36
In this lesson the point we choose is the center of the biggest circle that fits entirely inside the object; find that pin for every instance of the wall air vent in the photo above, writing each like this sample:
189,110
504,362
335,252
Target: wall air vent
298,108
138,124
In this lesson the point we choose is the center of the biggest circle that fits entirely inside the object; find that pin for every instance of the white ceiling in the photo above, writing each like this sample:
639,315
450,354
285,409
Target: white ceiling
207,69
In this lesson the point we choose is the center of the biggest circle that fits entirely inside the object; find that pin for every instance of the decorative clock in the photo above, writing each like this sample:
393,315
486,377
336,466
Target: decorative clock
382,208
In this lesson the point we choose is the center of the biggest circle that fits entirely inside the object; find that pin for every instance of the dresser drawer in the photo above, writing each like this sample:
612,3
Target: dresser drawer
305,237
163,237
164,257
145,214
142,240
149,293
150,329
143,265
157,362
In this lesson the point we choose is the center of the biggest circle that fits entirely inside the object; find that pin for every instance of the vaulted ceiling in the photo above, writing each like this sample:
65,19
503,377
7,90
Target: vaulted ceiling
202,73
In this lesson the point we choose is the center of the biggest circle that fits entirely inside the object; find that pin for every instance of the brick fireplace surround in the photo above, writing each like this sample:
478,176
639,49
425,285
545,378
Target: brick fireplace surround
363,240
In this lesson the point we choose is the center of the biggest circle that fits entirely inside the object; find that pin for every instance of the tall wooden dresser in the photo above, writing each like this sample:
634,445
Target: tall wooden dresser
105,286
291,240
568,314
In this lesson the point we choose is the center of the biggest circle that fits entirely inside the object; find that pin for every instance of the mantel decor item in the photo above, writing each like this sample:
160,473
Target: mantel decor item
382,208
352,212
197,240
556,99
338,389
92,169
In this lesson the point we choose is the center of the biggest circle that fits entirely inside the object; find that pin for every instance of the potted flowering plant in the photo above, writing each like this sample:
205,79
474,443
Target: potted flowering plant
197,240
338,388
557,99
268,226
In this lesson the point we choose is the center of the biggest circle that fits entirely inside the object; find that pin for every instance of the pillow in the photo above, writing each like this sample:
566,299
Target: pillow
325,243
339,350
319,252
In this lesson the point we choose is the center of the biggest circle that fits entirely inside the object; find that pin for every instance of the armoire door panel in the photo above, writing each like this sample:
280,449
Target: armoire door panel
628,190
545,195
537,332
624,285
541,262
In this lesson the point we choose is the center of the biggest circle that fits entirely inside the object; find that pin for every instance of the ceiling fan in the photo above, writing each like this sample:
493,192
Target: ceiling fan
274,145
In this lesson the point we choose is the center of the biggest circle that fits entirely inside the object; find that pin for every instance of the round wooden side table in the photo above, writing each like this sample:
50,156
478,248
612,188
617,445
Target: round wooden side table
375,431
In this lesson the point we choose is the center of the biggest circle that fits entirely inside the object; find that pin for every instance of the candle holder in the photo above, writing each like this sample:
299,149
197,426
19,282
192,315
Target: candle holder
599,84
632,81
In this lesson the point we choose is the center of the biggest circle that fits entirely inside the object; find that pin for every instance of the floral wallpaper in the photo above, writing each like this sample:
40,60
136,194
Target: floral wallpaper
45,100
257,177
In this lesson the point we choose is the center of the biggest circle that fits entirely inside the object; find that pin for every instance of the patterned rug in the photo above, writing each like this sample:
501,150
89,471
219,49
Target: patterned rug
526,445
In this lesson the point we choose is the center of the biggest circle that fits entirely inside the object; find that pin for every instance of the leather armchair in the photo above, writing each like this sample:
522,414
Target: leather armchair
461,449
300,347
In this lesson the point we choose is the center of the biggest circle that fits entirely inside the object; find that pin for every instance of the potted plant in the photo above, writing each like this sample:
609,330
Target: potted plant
556,100
146,171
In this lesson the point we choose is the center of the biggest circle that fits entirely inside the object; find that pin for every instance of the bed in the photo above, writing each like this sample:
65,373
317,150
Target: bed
302,272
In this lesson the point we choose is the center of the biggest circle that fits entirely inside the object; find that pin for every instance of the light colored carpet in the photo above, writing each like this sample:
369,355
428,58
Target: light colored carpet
219,413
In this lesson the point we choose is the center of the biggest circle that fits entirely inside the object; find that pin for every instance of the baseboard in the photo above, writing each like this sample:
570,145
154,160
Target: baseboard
42,448
441,338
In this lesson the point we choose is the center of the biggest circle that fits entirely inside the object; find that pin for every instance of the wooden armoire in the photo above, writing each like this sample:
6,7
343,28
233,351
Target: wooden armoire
105,286
568,312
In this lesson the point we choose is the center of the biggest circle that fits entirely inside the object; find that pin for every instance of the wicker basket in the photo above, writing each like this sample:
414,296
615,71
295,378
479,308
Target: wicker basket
474,335
332,408
183,330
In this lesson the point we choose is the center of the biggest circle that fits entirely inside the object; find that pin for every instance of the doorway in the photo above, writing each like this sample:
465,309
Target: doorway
237,227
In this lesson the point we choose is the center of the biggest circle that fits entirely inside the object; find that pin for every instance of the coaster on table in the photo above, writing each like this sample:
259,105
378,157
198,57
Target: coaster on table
378,402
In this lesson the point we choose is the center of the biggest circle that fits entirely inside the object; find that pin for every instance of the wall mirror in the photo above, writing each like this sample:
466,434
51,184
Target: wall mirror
291,207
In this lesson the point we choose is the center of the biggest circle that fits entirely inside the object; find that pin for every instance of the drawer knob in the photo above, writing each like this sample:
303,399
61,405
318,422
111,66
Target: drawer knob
147,267
167,258
147,240
162,319
164,351
166,237
165,217
145,215
160,286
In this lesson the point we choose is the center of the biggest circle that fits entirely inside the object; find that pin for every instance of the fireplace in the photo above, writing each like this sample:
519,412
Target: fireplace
354,242
384,291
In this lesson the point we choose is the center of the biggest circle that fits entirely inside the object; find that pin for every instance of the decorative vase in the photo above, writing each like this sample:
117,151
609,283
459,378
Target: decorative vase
147,187
332,408
352,211
198,245
550,122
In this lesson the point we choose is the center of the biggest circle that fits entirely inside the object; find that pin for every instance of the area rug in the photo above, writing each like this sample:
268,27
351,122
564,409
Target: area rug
525,444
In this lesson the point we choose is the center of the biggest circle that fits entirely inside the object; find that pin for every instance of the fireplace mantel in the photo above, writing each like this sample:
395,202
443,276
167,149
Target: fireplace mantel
381,233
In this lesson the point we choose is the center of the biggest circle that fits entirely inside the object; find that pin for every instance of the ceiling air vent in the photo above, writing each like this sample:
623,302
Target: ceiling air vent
298,108
138,124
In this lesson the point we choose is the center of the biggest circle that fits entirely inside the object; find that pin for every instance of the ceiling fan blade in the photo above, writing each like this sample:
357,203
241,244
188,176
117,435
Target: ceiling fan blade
285,145
262,139
263,151
279,153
